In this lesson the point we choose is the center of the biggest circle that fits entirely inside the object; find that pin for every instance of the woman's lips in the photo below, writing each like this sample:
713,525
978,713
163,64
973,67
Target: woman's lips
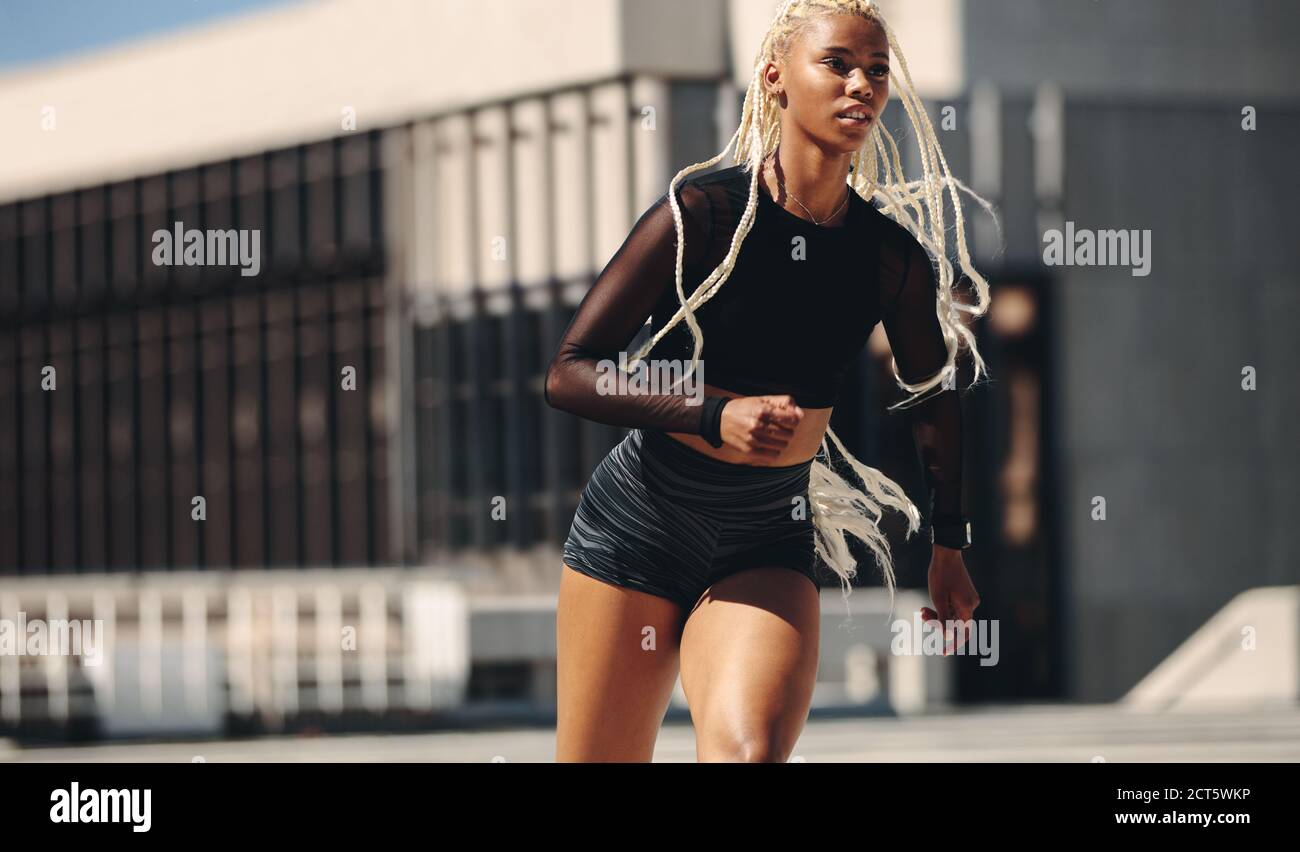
854,122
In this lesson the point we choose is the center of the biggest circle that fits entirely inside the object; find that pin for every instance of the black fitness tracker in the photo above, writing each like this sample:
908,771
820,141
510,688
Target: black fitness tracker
950,532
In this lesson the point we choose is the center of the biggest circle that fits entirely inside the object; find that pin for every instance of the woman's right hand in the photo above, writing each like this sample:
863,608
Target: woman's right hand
760,425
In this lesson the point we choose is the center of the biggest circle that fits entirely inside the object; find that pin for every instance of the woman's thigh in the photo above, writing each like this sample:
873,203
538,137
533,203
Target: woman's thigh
617,664
748,662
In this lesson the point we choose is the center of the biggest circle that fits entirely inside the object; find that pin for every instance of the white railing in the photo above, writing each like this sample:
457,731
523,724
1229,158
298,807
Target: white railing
183,653
180,652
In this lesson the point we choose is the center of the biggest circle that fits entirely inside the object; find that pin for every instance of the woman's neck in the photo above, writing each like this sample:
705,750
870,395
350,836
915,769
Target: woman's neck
816,180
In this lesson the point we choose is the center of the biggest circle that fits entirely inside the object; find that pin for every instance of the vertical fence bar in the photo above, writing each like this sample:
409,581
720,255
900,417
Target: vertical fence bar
592,434
104,676
350,413
63,485
316,389
56,661
475,372
11,684
91,390
11,459
284,650
249,401
426,458
11,291
239,650
149,630
444,376
181,427
416,276
122,486
36,268
158,509
333,389
401,192
104,609
194,649
281,397
378,427
515,371
184,413
448,516
374,652
33,439
418,669
214,443
217,208
329,649
155,516
550,329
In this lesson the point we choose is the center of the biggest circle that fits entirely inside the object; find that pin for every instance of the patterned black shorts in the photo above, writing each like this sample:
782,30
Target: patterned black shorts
661,517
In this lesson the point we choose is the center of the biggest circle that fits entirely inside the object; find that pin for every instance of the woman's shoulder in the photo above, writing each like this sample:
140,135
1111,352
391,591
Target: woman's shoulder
720,189
708,201
731,178
715,199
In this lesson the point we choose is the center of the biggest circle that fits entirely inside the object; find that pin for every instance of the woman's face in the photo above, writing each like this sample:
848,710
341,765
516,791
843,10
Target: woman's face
837,65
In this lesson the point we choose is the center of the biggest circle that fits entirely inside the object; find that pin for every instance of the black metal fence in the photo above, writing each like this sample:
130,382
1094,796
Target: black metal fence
484,429
171,382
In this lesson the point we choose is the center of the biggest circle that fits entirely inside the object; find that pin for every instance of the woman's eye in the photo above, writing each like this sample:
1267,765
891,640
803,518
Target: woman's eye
877,71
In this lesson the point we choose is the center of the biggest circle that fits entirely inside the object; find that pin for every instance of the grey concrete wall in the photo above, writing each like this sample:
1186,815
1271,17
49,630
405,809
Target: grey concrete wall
1200,477
1136,48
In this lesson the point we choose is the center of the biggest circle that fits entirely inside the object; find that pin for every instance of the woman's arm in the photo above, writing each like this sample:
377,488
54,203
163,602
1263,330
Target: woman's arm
615,309
912,324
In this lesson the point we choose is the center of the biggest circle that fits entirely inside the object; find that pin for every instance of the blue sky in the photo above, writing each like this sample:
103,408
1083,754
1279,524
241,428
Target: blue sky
38,31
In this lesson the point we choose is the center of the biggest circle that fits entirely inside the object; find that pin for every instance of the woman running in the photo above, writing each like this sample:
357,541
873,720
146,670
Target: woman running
695,546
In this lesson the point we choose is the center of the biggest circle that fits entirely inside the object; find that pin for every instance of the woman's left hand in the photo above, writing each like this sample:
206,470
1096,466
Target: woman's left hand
953,594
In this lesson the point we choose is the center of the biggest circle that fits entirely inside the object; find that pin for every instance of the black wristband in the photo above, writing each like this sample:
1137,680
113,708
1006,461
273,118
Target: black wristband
711,419
950,532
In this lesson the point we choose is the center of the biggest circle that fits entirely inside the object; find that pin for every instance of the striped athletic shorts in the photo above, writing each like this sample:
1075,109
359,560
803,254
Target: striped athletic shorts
661,517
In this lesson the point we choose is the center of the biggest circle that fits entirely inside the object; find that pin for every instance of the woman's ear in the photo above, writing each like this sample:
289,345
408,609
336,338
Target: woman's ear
772,78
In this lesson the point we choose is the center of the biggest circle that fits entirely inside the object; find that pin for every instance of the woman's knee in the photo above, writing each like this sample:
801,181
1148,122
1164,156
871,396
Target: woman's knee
757,747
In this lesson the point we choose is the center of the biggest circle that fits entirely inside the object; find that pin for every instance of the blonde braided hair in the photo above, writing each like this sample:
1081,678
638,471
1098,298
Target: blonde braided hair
877,172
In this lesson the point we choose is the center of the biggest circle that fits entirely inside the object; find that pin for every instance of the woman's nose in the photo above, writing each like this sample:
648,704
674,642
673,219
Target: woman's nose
858,84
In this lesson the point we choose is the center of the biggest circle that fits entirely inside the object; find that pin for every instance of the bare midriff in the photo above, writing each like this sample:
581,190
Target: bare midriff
803,445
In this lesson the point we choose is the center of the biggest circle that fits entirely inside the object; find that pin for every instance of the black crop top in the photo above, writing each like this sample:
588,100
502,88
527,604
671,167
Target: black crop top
795,312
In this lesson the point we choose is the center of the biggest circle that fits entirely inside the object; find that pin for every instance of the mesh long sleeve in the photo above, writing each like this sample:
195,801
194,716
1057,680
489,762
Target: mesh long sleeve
616,307
916,340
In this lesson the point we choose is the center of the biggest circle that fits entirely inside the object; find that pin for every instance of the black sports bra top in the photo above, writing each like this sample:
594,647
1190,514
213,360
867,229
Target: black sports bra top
797,309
